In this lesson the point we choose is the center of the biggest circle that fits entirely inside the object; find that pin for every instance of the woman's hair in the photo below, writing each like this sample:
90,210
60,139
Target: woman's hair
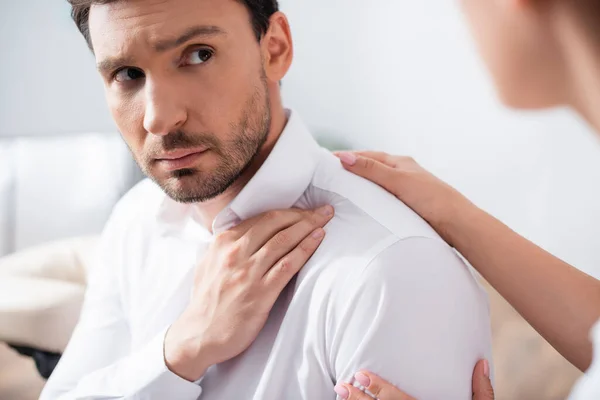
589,13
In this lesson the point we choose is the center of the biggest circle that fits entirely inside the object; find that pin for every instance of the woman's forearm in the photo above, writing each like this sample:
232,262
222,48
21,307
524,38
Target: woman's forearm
559,301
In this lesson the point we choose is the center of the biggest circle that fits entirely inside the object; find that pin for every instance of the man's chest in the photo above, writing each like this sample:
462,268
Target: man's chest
159,285
290,359
289,351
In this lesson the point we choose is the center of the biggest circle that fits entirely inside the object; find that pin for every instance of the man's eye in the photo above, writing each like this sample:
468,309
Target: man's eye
198,57
128,74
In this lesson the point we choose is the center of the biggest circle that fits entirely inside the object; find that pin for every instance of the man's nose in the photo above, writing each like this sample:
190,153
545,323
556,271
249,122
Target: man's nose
164,111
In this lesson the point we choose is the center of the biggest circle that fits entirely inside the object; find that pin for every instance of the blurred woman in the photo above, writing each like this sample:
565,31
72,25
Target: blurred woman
541,54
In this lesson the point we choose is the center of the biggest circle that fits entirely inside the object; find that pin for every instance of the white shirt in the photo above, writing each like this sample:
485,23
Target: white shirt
383,292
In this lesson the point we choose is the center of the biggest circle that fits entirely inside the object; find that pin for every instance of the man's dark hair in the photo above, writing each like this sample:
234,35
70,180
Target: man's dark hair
260,12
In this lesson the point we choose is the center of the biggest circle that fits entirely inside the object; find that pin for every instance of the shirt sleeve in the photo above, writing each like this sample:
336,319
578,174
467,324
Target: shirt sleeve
416,316
98,363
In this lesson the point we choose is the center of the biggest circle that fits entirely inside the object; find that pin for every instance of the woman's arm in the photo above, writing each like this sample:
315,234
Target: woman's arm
559,301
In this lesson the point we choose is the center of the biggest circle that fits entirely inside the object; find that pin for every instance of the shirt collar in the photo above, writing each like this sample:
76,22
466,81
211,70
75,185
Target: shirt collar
278,184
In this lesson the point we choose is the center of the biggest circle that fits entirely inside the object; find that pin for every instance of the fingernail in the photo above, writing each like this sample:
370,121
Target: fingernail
363,379
326,211
318,234
341,391
486,369
347,158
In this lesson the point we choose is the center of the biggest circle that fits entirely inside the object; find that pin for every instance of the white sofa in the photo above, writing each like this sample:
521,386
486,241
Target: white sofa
56,193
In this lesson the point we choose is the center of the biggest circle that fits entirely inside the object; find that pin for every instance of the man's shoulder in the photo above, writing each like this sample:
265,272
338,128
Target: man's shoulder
378,240
342,187
406,276
408,263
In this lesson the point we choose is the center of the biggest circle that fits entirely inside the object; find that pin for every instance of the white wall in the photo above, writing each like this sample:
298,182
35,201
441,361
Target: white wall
48,82
396,75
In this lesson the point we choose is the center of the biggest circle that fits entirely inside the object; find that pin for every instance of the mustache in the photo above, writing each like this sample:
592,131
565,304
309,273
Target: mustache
180,140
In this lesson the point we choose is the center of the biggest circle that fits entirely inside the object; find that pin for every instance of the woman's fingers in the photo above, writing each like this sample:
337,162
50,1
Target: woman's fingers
380,388
383,390
349,392
380,156
374,385
369,168
482,386
350,157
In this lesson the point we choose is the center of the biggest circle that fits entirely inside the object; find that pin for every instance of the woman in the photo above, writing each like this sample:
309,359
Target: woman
541,53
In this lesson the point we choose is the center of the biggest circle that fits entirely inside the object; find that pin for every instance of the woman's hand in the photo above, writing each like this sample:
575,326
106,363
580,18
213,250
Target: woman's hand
382,390
431,198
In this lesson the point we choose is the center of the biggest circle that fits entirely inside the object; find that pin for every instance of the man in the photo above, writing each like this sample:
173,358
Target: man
194,88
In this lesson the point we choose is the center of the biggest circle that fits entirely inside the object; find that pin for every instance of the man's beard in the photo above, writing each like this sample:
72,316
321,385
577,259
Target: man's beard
249,135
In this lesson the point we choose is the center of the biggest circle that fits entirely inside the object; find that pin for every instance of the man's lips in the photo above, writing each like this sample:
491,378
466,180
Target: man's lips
179,159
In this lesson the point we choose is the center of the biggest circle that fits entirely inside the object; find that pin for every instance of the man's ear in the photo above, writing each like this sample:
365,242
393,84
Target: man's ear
278,48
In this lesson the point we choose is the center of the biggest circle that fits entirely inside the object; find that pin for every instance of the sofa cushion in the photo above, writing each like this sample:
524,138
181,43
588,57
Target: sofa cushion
39,313
41,292
65,260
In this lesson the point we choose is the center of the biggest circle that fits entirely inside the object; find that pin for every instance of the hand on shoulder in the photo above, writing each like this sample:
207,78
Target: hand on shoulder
430,197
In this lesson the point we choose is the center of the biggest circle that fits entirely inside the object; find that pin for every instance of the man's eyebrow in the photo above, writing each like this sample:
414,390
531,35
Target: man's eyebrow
195,31
111,64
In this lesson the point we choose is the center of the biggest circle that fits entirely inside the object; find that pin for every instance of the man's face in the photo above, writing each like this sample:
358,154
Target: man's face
185,83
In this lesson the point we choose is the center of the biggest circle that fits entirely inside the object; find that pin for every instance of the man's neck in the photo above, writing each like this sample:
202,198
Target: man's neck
209,210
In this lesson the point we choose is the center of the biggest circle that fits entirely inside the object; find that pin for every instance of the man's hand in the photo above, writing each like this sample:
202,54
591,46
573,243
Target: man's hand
237,284
383,390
